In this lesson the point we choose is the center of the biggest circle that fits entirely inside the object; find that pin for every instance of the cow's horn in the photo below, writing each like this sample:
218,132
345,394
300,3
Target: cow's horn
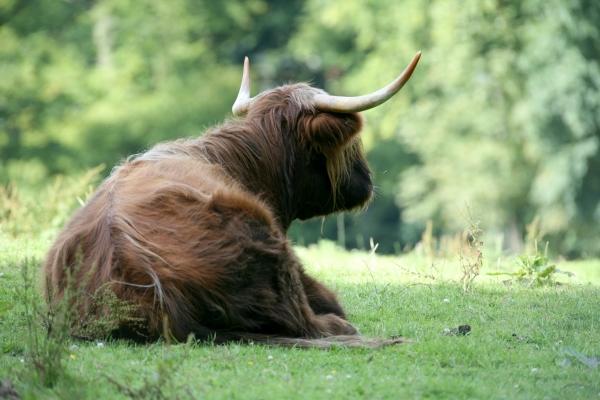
242,103
341,104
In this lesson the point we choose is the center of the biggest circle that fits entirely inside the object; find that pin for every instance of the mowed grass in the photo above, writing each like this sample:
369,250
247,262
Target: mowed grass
530,343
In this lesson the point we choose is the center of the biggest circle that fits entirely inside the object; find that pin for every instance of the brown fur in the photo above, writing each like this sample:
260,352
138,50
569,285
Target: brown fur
193,232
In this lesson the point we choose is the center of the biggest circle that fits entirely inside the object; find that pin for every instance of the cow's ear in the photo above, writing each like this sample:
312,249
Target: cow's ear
331,130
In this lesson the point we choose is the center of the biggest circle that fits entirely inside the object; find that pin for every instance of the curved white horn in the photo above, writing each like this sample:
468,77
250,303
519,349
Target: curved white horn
342,104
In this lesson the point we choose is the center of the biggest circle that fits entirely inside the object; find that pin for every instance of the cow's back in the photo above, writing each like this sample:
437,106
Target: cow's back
160,235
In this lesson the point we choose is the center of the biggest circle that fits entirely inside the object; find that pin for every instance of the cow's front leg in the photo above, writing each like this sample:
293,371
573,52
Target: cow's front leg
321,299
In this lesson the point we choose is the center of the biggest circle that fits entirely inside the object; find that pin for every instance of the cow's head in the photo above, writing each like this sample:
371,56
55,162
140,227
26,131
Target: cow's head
324,163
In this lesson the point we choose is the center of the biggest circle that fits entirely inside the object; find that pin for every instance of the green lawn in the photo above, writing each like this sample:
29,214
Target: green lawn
525,342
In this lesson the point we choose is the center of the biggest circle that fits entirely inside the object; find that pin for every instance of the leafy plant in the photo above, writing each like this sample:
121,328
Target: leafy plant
471,254
104,314
535,269
49,325
47,331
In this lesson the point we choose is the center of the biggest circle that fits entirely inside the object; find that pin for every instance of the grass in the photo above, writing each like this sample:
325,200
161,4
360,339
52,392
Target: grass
524,342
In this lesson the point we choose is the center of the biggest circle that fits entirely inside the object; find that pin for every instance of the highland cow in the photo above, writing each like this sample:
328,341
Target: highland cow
192,233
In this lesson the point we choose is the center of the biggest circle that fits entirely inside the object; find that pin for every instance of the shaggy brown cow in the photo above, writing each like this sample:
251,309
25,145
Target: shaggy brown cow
193,232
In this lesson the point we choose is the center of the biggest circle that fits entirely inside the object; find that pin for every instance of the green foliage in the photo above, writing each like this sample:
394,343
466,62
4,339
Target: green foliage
104,314
535,269
32,205
46,330
501,114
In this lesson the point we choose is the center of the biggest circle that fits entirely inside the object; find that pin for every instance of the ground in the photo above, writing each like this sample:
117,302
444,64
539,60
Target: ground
525,342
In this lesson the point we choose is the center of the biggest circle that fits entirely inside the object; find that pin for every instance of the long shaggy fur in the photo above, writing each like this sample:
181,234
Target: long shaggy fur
192,233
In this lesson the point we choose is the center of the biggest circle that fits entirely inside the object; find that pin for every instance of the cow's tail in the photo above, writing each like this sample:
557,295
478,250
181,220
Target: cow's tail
328,342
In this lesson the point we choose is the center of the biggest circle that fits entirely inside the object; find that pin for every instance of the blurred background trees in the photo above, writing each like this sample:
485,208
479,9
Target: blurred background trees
500,123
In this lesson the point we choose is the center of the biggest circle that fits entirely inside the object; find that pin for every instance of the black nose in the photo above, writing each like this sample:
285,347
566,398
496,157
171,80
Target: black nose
359,187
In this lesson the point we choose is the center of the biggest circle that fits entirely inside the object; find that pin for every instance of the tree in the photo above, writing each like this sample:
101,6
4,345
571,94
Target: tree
502,114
